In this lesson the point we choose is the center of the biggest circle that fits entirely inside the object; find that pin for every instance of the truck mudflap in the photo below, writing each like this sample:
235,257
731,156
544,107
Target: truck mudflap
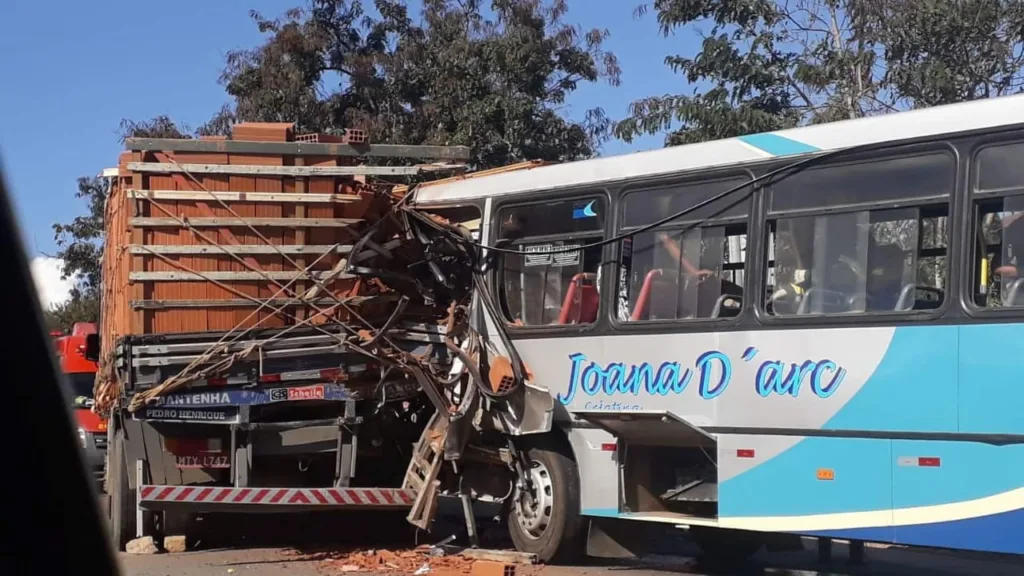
225,499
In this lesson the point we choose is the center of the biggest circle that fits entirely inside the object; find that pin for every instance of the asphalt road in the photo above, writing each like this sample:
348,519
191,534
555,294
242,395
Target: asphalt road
272,561
304,546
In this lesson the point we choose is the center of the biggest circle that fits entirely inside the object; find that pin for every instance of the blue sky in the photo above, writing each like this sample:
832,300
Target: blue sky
72,70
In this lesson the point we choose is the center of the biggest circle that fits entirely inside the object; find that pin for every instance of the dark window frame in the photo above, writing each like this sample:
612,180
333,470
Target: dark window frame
952,288
496,276
974,198
637,188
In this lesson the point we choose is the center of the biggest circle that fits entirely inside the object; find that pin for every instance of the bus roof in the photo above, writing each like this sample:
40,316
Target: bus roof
952,118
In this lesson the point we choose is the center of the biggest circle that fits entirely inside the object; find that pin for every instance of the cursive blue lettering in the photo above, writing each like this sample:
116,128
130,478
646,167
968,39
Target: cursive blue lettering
706,368
574,373
767,377
833,384
713,370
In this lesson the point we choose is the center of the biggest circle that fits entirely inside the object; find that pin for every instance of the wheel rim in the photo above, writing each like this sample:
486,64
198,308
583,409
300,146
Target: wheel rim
533,508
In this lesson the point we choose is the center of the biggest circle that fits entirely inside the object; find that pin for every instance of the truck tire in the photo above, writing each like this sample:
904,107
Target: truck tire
122,497
549,524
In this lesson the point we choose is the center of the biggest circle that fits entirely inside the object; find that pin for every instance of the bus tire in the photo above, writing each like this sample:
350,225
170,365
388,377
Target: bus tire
122,497
549,525
720,547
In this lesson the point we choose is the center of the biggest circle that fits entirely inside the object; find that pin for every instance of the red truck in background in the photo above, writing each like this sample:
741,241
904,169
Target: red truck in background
80,373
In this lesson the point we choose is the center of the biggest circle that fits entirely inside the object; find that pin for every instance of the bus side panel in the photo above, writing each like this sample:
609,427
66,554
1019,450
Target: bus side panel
599,472
817,486
913,388
959,495
991,391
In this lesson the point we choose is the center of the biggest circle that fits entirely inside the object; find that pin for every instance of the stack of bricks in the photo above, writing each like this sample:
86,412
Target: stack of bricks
163,277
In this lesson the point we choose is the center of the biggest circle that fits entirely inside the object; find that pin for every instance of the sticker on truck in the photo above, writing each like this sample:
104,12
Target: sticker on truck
327,392
225,415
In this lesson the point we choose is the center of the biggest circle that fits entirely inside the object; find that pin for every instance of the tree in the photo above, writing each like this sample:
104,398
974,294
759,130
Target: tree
772,64
80,242
76,241
941,51
495,80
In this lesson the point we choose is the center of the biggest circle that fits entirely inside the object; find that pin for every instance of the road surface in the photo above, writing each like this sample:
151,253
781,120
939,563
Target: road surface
266,561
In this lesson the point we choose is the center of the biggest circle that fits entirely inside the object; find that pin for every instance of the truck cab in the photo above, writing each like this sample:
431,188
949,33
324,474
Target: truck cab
80,375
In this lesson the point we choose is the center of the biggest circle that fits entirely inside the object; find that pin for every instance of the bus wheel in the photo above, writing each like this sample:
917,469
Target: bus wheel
122,497
545,520
725,547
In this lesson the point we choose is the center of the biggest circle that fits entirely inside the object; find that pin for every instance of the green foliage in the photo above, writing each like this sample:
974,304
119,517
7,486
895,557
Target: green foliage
492,77
771,64
80,242
82,309
943,51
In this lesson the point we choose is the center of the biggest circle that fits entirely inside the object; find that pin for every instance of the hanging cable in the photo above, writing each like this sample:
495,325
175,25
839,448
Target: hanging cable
783,170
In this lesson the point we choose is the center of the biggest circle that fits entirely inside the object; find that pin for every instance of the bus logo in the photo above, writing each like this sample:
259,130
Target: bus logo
586,211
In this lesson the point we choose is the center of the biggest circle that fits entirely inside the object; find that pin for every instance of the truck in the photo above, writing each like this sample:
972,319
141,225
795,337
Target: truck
80,373
280,332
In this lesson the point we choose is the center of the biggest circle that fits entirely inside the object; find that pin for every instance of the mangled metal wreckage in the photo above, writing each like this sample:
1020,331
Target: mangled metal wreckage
389,394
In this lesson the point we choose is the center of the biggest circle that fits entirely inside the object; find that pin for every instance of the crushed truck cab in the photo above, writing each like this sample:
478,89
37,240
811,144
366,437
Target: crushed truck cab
284,332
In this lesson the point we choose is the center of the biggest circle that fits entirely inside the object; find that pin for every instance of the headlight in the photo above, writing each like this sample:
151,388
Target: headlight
82,437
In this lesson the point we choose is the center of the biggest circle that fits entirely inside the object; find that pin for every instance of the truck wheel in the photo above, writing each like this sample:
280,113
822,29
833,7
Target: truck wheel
122,497
547,521
721,547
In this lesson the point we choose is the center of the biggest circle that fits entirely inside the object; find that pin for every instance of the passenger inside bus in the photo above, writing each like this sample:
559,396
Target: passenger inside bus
1010,280
666,284
838,264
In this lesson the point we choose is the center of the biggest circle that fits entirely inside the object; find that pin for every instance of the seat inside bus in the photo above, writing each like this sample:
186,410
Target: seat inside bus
582,300
662,297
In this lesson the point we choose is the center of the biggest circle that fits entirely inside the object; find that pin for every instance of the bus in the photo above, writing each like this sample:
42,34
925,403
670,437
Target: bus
807,332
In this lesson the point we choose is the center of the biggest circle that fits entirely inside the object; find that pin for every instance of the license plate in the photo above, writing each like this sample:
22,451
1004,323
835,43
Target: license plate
203,461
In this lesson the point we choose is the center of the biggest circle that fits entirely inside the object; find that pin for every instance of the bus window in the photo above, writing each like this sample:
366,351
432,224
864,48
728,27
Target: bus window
691,269
552,283
696,273
856,262
999,272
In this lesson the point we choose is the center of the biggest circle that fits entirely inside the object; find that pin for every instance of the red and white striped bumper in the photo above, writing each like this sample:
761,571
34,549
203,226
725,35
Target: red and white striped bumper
152,497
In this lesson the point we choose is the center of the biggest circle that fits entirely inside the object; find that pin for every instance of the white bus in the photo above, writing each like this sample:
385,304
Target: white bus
833,348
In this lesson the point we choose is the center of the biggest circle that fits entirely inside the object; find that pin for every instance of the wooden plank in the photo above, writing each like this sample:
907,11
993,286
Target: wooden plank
299,148
182,276
243,196
240,303
508,556
248,170
235,249
156,222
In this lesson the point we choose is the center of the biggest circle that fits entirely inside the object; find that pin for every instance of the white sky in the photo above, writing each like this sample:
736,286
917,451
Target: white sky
46,274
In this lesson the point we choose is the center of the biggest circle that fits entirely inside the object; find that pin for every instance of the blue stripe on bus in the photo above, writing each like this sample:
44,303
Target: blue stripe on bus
913,388
777,145
931,379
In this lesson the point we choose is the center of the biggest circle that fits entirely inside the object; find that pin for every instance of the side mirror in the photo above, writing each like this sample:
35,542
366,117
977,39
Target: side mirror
92,347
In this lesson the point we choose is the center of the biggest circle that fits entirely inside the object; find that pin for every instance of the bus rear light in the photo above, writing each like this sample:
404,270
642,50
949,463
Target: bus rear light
929,462
744,453
609,447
